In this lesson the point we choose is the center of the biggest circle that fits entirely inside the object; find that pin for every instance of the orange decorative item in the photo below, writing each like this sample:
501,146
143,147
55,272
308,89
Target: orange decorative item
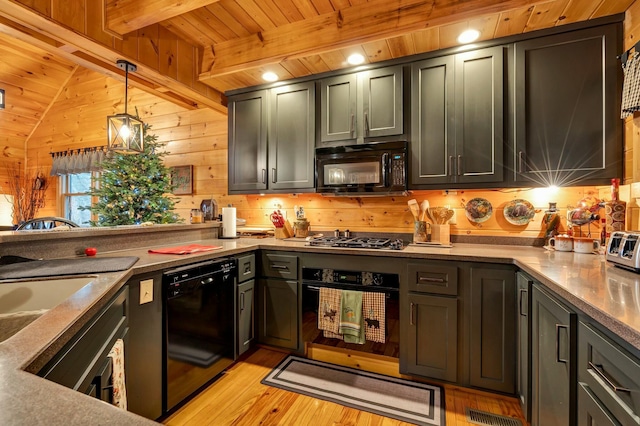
615,210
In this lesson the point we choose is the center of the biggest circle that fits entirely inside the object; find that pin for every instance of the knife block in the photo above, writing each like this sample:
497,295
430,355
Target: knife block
285,232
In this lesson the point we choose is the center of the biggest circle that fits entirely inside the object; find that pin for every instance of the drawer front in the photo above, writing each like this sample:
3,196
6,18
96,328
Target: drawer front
611,375
280,266
246,267
436,278
590,412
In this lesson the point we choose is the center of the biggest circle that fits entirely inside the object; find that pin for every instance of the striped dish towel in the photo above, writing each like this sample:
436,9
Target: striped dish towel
373,310
329,310
631,86
117,375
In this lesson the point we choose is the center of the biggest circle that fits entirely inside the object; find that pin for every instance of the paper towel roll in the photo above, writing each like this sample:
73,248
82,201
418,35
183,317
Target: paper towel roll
228,222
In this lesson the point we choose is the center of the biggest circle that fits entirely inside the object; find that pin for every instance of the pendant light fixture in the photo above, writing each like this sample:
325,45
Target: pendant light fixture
125,133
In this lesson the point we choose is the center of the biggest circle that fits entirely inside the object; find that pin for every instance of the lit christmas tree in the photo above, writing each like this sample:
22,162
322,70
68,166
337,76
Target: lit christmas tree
133,188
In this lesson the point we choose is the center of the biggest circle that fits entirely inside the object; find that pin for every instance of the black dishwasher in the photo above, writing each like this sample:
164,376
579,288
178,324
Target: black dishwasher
200,325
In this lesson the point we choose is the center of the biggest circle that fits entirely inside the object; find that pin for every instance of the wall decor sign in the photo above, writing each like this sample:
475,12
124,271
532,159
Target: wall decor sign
182,180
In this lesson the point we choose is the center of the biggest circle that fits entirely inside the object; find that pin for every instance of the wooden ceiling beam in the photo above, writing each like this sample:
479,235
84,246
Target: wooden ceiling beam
363,23
125,16
42,32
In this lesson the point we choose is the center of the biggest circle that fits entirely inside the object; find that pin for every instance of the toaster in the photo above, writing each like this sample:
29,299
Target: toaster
623,250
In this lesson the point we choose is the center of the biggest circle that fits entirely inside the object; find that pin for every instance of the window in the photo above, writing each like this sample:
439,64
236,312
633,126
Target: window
75,190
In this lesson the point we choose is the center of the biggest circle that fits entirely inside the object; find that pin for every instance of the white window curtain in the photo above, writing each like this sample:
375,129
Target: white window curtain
77,161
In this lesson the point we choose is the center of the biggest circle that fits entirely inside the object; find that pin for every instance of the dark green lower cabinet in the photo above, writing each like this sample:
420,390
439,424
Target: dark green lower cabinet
492,353
278,313
432,346
83,363
523,358
554,380
245,310
144,354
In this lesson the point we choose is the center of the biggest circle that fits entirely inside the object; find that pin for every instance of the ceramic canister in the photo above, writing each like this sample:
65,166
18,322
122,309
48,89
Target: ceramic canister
562,243
585,245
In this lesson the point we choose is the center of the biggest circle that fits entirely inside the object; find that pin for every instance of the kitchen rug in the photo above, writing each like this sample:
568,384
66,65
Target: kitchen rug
387,396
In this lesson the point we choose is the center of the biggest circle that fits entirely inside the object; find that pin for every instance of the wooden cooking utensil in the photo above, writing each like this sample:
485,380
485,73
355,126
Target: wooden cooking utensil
424,206
415,209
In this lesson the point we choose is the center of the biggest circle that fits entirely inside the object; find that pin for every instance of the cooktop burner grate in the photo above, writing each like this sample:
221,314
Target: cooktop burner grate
358,242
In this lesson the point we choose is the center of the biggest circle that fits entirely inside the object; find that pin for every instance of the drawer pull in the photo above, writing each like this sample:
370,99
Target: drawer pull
431,280
279,267
558,327
600,372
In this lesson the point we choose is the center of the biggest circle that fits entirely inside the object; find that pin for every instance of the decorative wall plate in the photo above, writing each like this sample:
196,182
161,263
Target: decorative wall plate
478,210
519,212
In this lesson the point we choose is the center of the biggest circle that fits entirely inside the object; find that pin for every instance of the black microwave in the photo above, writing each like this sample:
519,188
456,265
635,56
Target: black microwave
377,168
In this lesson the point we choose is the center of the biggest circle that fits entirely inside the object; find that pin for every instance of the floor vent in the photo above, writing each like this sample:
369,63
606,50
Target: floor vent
477,417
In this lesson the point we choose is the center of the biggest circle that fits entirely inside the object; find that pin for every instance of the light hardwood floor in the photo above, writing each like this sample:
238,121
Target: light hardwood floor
238,398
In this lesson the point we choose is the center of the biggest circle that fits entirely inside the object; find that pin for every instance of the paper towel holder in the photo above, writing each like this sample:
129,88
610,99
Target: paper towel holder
233,228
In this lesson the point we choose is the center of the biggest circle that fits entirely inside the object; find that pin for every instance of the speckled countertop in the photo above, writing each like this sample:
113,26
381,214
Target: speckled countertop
608,294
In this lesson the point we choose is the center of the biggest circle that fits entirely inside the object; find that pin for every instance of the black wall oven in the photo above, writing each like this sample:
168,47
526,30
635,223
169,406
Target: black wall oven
388,284
200,326
378,168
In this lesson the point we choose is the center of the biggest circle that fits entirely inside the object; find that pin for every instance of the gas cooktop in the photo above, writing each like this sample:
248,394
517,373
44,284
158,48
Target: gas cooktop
358,242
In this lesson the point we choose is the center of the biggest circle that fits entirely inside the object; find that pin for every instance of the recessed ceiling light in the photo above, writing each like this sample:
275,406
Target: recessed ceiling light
270,76
355,59
468,36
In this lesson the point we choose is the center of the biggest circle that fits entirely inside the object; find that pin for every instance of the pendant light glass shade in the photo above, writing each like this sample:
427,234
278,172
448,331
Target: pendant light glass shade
125,133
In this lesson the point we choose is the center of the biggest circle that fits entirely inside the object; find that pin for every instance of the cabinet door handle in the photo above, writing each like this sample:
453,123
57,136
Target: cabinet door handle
450,165
520,161
558,327
411,314
459,166
264,176
242,301
431,280
353,126
523,293
600,372
366,124
273,175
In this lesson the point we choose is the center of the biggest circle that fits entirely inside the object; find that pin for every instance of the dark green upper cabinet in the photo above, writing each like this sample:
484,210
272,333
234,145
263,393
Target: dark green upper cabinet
363,105
248,141
457,108
567,126
338,113
291,136
271,139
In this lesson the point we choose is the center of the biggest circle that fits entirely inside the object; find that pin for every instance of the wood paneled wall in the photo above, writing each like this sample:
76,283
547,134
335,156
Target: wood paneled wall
77,119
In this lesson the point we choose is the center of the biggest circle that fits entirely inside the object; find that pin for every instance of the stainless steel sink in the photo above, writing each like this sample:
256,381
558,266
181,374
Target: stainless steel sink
22,302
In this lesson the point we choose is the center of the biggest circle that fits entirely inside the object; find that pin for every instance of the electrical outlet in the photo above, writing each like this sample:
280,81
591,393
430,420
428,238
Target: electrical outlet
453,220
146,291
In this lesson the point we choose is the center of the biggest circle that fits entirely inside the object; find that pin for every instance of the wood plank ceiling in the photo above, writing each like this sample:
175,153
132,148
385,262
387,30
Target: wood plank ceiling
238,40
241,39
